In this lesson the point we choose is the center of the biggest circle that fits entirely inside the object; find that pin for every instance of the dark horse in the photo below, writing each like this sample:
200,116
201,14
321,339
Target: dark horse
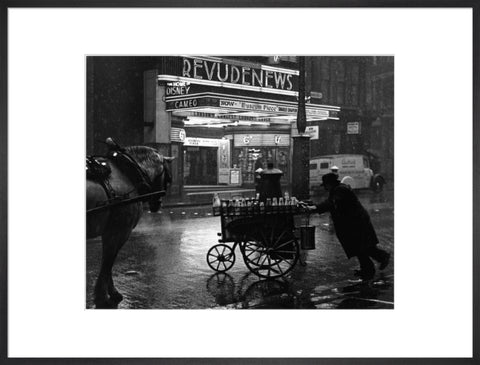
115,223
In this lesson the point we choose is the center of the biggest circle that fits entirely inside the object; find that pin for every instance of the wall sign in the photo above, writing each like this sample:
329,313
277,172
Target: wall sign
274,60
235,177
316,95
317,113
354,128
223,175
247,139
202,142
258,140
312,131
224,154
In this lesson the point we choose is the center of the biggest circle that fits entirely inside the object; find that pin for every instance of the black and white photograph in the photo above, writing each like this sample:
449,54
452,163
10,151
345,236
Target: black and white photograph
240,182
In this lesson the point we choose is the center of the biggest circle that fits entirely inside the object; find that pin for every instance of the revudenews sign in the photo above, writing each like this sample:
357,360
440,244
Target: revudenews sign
251,75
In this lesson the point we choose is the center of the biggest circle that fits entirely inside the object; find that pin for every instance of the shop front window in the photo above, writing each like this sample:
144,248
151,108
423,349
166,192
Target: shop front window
249,159
282,159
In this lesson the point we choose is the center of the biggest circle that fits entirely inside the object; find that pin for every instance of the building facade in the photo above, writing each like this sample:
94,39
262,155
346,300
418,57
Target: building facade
224,117
363,87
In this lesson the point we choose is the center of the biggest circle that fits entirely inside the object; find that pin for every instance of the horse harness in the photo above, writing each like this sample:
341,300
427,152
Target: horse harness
131,169
99,171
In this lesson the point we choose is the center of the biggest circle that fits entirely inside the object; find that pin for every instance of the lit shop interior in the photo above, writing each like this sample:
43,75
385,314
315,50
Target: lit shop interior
227,138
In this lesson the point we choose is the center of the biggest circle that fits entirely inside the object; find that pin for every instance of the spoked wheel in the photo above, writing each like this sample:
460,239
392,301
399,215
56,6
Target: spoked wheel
220,257
271,255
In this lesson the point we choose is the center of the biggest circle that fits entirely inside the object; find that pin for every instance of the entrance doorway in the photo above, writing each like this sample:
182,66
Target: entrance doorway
200,165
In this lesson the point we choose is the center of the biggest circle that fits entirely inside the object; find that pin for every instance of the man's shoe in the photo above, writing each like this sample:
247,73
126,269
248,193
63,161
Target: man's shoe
384,262
367,277
363,276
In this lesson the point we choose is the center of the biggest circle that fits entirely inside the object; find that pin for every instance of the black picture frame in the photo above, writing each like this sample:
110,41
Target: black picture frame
6,5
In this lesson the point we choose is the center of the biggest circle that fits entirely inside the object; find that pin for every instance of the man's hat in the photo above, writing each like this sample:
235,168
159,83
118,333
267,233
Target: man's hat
329,178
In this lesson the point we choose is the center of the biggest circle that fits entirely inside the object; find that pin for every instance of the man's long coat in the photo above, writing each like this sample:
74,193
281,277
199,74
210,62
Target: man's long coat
352,222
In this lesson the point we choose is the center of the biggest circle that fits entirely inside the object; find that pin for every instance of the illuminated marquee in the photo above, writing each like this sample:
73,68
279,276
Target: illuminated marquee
195,102
274,108
176,88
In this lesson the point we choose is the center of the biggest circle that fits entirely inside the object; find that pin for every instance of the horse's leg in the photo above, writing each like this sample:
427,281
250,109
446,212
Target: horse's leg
102,299
106,296
115,296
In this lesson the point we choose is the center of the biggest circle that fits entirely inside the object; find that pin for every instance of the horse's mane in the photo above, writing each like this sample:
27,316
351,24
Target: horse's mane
147,157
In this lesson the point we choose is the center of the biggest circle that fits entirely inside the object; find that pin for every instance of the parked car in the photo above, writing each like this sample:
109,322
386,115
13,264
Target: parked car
353,170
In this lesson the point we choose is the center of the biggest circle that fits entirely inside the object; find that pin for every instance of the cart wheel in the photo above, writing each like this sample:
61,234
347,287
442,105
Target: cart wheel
270,257
220,257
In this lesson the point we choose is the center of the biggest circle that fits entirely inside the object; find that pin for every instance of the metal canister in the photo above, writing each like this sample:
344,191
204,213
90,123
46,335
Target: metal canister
307,237
270,183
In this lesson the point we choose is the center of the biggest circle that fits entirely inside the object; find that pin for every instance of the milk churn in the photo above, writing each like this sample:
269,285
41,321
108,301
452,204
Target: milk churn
270,183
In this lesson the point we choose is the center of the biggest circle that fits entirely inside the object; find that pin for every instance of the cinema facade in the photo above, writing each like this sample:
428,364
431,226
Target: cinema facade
224,118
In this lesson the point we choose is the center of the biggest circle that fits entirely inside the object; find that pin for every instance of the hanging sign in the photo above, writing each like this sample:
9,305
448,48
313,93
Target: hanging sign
312,131
177,134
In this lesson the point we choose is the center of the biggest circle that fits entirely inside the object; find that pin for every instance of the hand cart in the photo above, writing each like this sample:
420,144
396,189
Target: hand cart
264,233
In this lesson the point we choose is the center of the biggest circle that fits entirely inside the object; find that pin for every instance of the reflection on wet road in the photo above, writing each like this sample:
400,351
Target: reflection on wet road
163,266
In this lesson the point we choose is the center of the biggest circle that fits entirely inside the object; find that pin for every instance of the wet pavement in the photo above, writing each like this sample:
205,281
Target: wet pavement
163,266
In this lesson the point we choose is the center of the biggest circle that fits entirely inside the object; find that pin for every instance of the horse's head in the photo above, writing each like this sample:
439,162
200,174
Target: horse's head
157,168
161,182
